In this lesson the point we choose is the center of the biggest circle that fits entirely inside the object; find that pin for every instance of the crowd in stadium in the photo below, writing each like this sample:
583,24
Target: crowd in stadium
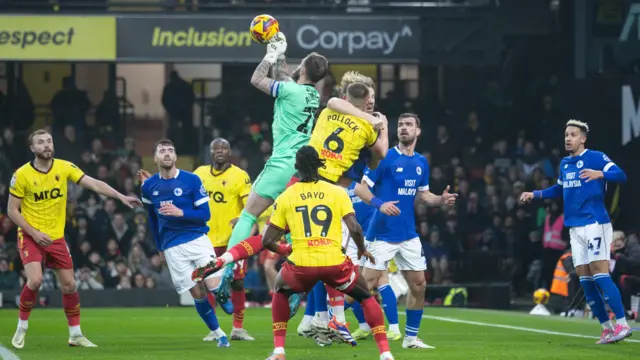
112,247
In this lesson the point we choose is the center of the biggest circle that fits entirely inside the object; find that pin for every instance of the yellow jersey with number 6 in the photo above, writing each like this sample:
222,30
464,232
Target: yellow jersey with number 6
313,212
338,139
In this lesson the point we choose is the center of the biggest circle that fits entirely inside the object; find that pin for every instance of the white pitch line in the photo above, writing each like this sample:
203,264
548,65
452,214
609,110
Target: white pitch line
5,354
510,327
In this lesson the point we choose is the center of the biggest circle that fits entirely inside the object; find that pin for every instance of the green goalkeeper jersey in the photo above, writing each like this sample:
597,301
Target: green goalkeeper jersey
293,116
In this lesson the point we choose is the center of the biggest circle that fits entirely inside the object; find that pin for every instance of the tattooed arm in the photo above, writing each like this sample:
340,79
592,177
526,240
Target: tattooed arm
260,79
280,71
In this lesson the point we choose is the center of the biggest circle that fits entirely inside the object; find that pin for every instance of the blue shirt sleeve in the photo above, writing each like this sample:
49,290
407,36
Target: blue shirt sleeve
424,182
372,176
151,211
609,169
200,210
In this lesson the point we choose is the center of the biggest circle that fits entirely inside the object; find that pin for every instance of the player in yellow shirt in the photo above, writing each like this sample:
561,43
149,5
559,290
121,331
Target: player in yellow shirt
38,205
315,211
339,137
228,187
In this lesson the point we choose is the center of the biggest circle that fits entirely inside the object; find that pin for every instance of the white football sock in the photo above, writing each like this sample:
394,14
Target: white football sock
227,258
75,331
278,350
338,312
219,332
622,321
607,325
365,327
23,324
323,316
394,328
306,321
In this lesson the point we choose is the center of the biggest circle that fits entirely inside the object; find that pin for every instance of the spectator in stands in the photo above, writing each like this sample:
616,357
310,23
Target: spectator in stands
150,283
23,114
12,150
121,232
444,148
125,283
158,272
8,250
81,254
9,280
68,146
86,279
129,151
139,281
552,240
178,100
626,253
108,113
437,257
69,107
137,260
113,252
104,216
98,154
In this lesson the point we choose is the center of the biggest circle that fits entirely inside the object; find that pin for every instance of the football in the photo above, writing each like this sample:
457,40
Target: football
541,296
263,27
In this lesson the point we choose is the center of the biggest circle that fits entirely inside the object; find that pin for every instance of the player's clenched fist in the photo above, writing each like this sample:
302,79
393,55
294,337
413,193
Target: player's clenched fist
526,197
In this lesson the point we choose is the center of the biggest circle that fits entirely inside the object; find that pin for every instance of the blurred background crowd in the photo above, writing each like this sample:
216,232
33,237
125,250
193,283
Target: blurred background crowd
490,133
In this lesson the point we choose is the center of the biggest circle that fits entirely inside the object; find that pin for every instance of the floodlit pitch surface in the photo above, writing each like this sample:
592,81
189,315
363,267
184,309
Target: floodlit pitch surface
176,333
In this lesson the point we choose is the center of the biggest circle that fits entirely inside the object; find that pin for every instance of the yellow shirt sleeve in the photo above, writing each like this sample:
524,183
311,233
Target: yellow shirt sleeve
372,137
278,216
245,186
17,186
73,172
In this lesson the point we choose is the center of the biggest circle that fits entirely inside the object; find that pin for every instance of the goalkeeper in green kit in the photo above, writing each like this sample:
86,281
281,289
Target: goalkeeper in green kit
294,113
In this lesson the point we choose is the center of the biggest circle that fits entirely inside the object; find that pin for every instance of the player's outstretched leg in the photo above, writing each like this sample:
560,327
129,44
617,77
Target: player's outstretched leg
245,249
373,314
364,330
611,294
390,307
415,309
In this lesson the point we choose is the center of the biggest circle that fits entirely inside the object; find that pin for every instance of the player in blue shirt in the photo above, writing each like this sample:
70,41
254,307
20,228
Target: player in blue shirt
582,184
178,213
398,180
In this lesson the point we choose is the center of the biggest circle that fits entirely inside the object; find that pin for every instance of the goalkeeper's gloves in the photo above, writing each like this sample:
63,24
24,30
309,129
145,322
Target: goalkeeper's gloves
276,48
281,40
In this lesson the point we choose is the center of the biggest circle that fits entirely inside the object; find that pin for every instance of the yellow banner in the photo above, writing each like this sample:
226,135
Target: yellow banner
58,38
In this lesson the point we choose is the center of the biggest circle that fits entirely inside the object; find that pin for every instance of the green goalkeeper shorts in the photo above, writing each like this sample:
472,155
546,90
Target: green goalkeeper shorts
274,177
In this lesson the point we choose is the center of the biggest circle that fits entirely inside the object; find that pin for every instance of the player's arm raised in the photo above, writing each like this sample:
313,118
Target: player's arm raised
363,192
280,69
103,188
344,107
260,78
380,146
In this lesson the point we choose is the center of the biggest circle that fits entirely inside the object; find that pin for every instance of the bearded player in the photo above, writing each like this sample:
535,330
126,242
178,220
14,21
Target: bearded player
38,205
228,187
315,211
296,104
401,177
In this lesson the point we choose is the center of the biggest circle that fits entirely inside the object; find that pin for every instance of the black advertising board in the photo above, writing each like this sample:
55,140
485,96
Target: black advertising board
342,39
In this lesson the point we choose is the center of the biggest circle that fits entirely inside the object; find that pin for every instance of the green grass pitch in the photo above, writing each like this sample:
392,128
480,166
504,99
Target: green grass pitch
176,333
